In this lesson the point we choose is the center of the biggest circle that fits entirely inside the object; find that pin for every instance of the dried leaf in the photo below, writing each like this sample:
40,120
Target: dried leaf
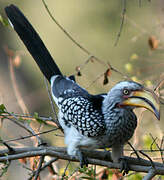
34,162
153,42
159,85
116,175
108,72
23,160
105,80
78,71
104,174
106,75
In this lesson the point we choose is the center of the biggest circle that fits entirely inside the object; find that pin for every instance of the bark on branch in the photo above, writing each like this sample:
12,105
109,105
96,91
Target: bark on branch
94,157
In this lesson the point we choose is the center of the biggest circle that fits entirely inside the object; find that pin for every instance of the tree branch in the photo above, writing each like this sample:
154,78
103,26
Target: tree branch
150,175
94,157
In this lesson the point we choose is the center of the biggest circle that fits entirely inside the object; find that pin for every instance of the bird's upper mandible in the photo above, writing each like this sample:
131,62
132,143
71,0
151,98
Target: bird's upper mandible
130,95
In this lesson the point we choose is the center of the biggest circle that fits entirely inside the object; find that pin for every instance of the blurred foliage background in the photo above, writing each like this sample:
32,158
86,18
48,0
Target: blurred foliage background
95,25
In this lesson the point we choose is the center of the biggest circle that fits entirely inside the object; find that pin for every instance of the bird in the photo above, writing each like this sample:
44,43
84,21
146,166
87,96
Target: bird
88,121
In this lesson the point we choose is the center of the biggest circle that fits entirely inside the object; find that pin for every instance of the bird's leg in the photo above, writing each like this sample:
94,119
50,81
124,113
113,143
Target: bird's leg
117,156
117,153
124,167
73,150
82,159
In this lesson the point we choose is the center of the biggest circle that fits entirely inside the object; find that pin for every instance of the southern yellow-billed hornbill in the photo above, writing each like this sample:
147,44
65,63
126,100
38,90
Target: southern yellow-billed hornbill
93,121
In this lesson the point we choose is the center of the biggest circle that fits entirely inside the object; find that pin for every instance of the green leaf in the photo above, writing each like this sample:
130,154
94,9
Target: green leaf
36,116
4,168
29,121
2,109
4,21
136,176
21,119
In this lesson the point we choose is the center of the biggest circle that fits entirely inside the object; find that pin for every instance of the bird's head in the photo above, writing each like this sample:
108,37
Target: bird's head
130,95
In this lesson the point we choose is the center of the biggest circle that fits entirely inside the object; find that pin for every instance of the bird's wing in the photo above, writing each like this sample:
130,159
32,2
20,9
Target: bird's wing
63,86
78,108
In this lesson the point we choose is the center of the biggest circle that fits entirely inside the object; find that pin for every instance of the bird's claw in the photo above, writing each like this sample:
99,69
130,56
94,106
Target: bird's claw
82,159
124,167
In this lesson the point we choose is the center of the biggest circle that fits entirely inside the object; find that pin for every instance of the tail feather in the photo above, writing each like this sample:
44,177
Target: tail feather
32,42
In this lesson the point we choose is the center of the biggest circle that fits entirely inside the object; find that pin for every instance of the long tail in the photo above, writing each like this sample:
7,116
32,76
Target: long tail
32,42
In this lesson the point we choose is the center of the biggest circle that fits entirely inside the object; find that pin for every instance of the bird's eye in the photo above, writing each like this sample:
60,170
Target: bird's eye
126,92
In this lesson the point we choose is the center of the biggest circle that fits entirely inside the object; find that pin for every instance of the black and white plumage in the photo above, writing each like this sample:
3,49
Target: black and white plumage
93,121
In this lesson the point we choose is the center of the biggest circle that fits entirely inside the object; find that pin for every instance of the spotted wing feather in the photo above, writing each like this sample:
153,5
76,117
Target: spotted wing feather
78,107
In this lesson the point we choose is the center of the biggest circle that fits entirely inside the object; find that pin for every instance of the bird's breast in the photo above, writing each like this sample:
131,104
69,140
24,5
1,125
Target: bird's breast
120,127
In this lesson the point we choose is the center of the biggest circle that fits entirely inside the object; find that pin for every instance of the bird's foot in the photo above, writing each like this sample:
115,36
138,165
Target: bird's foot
83,160
124,167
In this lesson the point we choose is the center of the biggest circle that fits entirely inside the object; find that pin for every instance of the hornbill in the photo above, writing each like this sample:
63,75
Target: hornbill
92,121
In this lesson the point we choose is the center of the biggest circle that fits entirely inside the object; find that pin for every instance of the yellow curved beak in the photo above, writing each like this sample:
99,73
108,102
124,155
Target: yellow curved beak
146,99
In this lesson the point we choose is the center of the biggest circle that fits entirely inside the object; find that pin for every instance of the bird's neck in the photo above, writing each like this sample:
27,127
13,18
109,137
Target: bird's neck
120,123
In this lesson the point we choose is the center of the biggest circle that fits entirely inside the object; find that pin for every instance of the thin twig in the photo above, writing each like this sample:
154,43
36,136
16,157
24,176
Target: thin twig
52,105
97,78
159,147
19,98
49,163
64,173
122,22
25,137
8,147
159,84
72,174
65,32
91,56
16,89
26,127
46,120
146,150
39,167
154,142
134,150
16,121
152,163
